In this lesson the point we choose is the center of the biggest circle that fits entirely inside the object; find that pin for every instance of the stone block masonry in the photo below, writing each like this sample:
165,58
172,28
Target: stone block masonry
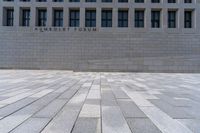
101,50
103,35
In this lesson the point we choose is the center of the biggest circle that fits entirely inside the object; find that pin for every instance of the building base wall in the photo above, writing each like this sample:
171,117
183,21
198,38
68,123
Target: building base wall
101,50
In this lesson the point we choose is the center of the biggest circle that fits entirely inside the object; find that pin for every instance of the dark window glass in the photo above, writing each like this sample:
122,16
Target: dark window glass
58,18
155,19
106,0
25,17
122,18
74,17
106,18
25,0
74,0
122,1
171,1
155,1
139,18
57,0
187,1
139,1
41,0
90,0
8,0
42,17
90,18
171,19
9,17
188,19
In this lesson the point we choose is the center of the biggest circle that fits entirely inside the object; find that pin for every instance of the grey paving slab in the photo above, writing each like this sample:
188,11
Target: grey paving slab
67,86
164,122
142,125
42,93
94,94
21,96
138,98
86,102
15,98
51,109
173,111
109,103
87,84
87,125
192,124
175,101
11,88
12,121
91,109
68,94
64,121
15,92
22,103
15,106
113,120
130,109
32,125
107,95
119,94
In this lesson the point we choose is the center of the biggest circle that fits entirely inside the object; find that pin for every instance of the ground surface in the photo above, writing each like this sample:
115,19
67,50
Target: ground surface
67,102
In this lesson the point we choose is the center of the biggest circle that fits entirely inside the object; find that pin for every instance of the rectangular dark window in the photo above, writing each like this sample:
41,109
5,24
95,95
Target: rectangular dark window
187,1
106,0
74,0
41,0
25,17
9,17
171,19
188,19
58,18
123,1
106,18
155,19
171,1
8,0
90,0
155,1
90,18
25,0
74,18
42,17
139,1
123,18
139,18
57,0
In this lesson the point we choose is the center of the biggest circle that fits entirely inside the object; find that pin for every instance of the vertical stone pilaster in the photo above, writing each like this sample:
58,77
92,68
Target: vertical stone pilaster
164,18
181,18
1,14
115,17
16,15
49,16
66,17
33,17
197,18
194,18
148,18
131,17
82,17
98,17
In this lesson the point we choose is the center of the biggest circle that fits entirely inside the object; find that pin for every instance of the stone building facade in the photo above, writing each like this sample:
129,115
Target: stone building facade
101,35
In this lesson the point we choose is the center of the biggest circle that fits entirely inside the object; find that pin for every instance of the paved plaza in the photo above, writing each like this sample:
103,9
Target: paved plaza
77,102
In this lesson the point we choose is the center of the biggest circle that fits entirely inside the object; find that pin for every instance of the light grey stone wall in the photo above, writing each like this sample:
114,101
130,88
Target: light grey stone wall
107,49
103,50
